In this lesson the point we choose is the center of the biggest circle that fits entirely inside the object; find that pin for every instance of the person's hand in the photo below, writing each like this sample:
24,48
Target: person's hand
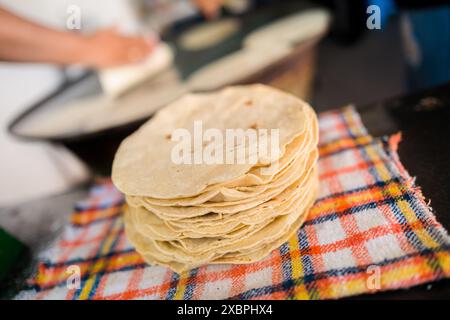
108,48
210,8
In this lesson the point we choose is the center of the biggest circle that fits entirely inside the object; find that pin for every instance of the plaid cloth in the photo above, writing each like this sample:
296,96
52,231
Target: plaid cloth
369,230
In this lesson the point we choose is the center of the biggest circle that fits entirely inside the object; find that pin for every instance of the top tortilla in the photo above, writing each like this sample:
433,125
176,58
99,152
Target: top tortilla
143,165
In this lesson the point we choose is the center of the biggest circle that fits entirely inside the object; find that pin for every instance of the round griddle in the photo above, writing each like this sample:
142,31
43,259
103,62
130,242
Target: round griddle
97,148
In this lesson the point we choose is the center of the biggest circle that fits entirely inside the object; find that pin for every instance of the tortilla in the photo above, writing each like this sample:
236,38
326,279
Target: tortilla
117,80
252,249
253,182
290,30
151,225
183,212
208,34
236,67
232,108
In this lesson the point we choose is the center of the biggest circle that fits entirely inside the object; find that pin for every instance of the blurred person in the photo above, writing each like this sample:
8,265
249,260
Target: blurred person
426,39
24,41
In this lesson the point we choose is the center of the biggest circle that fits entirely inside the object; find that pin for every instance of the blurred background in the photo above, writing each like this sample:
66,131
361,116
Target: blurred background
363,52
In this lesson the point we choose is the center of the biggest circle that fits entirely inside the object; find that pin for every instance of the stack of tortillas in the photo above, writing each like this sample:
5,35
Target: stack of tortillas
186,214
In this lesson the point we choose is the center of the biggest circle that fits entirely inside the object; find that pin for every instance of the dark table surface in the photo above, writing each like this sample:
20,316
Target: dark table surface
423,119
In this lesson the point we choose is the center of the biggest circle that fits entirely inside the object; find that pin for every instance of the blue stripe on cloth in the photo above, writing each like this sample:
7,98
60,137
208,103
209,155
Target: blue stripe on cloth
173,286
104,267
307,263
98,254
286,262
190,284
